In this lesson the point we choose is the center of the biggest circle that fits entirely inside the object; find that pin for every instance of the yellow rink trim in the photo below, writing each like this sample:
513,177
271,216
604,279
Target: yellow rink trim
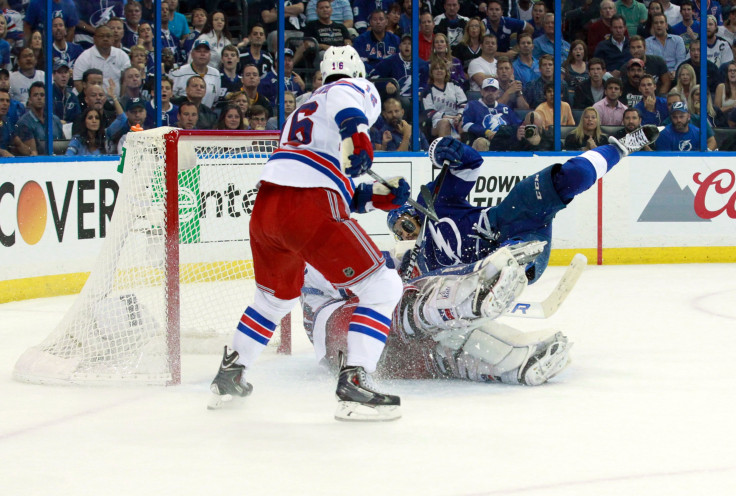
637,256
65,284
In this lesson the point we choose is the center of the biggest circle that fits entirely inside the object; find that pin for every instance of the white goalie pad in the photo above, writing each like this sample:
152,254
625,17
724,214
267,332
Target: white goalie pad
457,297
497,352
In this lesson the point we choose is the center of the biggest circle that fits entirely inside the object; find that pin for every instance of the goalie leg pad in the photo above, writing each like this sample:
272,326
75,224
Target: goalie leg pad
455,297
497,352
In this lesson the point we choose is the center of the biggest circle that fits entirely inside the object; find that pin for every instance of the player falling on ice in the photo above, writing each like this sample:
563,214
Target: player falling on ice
473,264
302,214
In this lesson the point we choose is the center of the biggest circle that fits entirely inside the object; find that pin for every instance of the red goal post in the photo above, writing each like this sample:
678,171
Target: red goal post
175,271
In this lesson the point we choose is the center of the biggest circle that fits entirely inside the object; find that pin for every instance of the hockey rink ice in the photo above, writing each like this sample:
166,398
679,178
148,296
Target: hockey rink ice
647,407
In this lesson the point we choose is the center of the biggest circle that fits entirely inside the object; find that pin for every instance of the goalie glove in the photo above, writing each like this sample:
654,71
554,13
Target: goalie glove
357,149
379,196
448,149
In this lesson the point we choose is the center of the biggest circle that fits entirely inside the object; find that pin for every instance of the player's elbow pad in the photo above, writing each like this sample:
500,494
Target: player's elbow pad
356,147
351,121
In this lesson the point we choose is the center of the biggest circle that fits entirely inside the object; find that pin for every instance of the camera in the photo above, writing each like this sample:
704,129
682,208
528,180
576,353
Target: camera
530,129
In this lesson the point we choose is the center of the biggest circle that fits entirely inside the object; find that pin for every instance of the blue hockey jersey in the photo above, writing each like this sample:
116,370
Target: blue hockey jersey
478,117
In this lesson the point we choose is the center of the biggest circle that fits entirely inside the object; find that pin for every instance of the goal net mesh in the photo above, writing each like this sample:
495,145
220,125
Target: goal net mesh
125,325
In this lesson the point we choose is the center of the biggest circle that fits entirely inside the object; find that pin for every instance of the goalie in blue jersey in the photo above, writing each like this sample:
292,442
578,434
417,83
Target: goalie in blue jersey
466,233
471,265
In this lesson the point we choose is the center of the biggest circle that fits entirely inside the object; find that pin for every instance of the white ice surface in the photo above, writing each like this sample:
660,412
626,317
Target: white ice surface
647,407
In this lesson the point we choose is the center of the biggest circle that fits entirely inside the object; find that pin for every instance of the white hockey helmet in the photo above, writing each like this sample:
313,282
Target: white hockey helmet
342,60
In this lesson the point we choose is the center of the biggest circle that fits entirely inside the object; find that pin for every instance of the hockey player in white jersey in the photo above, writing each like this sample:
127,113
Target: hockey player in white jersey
302,215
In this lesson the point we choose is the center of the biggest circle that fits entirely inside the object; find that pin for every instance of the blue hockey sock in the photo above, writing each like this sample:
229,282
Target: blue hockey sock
581,172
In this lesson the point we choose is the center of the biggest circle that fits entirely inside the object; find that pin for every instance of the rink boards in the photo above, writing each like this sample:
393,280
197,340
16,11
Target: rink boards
649,209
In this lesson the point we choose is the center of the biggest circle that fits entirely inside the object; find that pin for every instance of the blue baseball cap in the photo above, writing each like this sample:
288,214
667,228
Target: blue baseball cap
678,107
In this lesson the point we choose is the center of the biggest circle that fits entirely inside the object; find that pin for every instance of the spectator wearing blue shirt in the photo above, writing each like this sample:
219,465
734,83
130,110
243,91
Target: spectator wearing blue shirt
668,46
534,91
91,139
689,28
229,78
178,24
362,10
60,48
93,14
483,118
377,44
546,43
36,16
30,132
393,133
17,109
133,16
615,51
526,67
66,103
269,85
538,12
169,111
653,108
713,7
504,27
6,130
399,67
135,114
199,20
679,135
252,51
4,45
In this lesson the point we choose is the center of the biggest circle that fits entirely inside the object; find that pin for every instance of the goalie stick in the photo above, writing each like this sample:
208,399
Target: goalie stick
550,305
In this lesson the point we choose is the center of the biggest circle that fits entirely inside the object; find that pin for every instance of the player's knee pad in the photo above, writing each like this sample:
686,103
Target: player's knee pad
380,291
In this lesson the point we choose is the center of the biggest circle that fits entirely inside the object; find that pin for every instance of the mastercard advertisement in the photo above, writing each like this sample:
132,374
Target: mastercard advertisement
53,217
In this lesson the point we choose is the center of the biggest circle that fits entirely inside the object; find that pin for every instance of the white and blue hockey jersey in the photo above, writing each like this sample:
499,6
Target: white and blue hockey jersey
478,117
309,154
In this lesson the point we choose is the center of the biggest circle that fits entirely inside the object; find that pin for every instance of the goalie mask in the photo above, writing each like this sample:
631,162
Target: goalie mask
404,222
343,61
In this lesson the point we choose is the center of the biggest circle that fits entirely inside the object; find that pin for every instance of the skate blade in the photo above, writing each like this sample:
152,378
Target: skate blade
351,411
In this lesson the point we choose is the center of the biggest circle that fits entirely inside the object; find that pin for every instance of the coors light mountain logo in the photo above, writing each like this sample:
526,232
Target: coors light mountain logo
671,203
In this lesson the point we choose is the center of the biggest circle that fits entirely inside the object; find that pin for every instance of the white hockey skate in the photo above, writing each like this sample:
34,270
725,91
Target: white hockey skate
636,139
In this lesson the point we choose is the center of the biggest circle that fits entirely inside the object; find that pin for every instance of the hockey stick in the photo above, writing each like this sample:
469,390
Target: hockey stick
550,305
414,255
429,211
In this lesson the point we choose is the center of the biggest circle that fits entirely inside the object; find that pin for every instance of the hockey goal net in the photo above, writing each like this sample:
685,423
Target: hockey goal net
175,270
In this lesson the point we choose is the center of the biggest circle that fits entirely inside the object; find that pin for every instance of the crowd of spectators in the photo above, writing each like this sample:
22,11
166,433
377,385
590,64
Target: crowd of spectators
486,70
